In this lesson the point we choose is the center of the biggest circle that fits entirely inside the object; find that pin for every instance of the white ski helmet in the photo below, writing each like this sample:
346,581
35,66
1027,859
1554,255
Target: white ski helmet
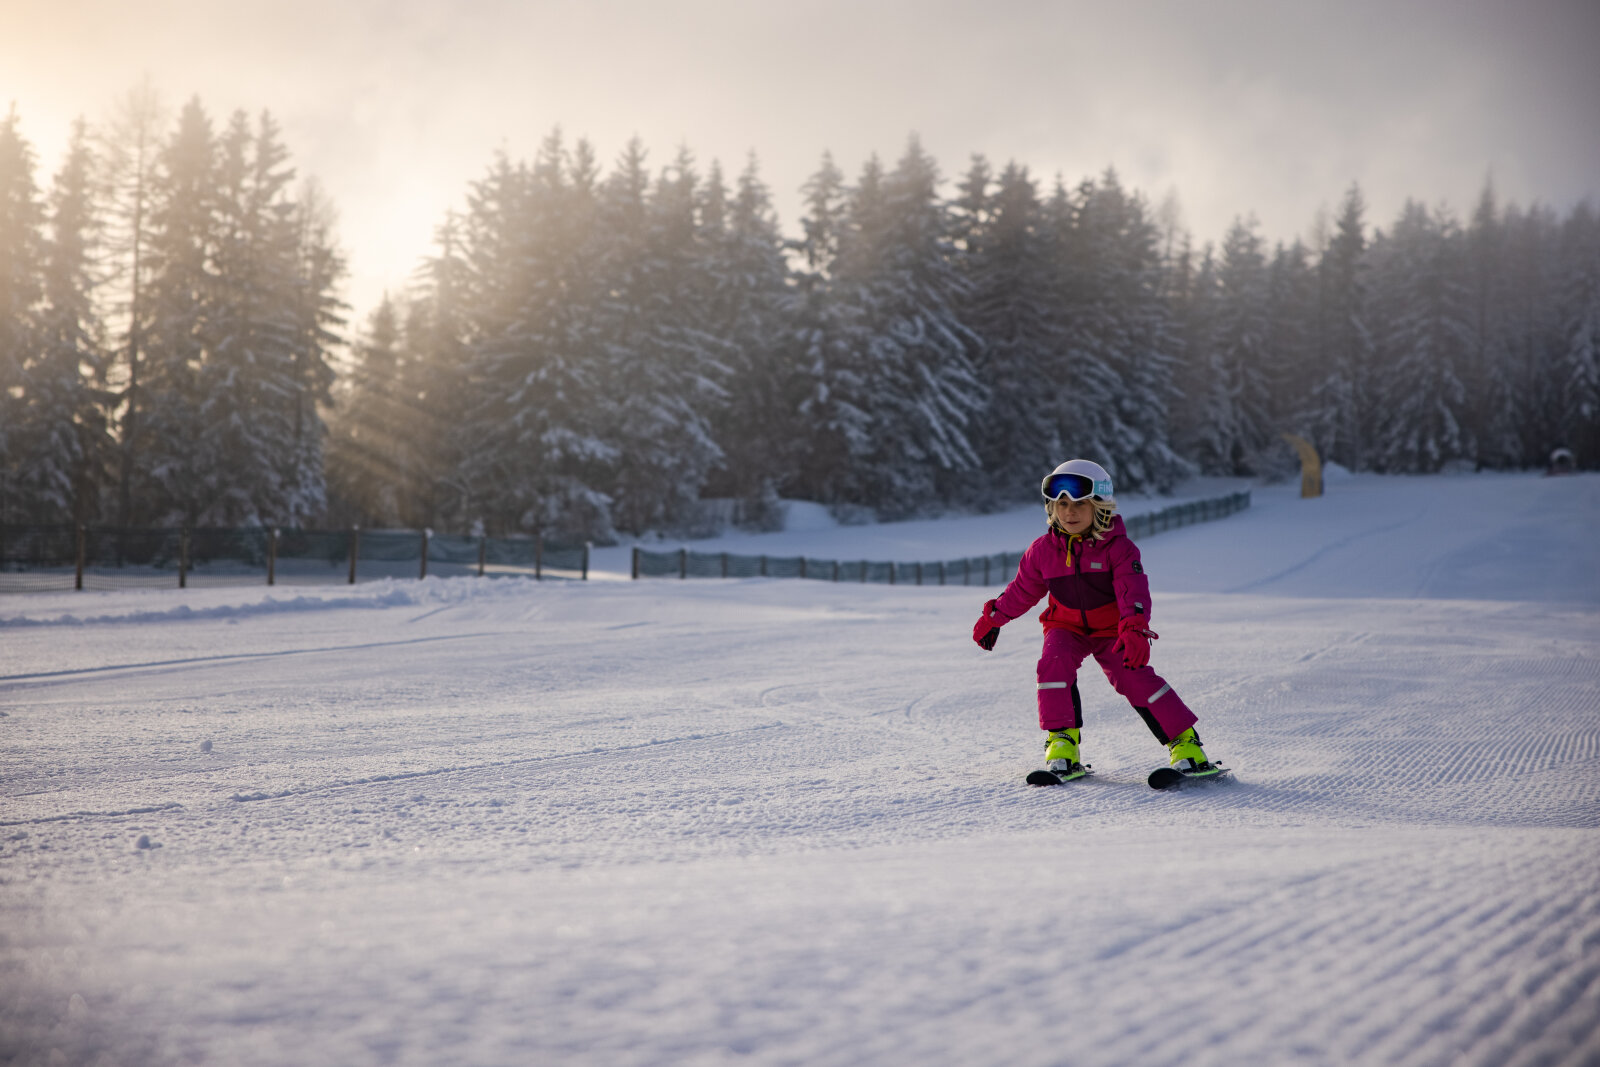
1077,479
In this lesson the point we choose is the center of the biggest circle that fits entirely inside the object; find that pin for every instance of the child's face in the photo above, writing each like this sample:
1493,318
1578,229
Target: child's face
1075,516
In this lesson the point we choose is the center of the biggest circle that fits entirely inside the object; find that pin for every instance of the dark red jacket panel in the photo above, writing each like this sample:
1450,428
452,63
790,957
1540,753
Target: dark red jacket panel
1091,584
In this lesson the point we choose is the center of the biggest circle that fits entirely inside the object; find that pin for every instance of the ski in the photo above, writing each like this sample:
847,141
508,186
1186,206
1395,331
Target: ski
1172,778
1044,777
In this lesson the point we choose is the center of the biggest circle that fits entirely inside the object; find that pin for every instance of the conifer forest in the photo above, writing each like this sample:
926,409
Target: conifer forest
595,349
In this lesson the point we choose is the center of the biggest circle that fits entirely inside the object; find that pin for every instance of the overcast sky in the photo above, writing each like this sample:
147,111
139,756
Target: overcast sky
1268,107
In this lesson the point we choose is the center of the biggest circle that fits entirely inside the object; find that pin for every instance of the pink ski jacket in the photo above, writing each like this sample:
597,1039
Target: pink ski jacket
1091,584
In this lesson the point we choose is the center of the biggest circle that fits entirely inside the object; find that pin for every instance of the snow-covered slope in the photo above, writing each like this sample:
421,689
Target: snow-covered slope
712,822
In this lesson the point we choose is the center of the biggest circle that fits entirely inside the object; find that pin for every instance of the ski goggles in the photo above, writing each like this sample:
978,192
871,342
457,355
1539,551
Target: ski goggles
1074,487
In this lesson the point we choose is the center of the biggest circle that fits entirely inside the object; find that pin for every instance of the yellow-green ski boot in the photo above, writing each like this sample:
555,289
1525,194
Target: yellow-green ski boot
1186,755
1060,759
1186,760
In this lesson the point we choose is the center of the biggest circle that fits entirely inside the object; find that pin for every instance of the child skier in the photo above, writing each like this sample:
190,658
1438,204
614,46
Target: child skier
1099,605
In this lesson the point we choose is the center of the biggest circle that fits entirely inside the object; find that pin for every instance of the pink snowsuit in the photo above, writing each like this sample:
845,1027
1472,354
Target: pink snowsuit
1092,585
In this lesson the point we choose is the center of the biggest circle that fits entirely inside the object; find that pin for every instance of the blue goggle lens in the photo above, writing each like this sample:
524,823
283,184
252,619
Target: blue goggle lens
1071,486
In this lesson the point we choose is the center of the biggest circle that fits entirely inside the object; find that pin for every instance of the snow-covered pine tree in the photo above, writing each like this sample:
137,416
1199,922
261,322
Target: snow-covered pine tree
496,252
320,316
841,402
1195,305
970,208
1491,416
827,204
1238,424
439,331
370,427
1291,314
578,448
21,255
176,308
832,414
1149,356
1336,413
747,287
896,272
663,371
1086,388
540,454
1535,339
131,146
1175,243
1012,306
1120,340
1579,354
249,391
1422,319
61,439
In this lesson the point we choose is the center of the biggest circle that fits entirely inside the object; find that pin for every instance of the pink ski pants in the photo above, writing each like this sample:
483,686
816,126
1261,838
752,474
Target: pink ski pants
1149,694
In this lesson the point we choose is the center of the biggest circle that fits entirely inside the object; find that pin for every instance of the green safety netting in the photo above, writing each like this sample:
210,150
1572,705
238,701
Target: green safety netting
684,563
976,570
38,557
42,557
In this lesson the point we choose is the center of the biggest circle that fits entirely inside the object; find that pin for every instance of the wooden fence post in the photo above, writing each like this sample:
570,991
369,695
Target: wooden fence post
183,557
355,551
272,556
683,563
636,563
83,537
538,556
588,546
423,573
483,552
802,566
724,564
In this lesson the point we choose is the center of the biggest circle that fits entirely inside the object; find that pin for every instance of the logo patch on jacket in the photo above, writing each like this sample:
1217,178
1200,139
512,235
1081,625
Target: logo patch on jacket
1138,568
1097,565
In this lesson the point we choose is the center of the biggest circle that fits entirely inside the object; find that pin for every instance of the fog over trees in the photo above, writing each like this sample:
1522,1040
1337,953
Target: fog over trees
594,349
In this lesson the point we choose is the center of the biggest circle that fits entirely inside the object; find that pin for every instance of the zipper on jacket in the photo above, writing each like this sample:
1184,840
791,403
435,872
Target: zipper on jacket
1077,577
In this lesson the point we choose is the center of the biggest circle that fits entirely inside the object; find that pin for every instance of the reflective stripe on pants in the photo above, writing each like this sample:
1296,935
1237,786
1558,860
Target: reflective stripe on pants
1064,651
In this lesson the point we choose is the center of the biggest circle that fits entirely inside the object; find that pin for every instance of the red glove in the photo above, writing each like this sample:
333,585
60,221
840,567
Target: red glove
1133,641
986,631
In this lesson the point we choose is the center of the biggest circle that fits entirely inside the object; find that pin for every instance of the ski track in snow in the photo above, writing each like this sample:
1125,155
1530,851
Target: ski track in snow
783,822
